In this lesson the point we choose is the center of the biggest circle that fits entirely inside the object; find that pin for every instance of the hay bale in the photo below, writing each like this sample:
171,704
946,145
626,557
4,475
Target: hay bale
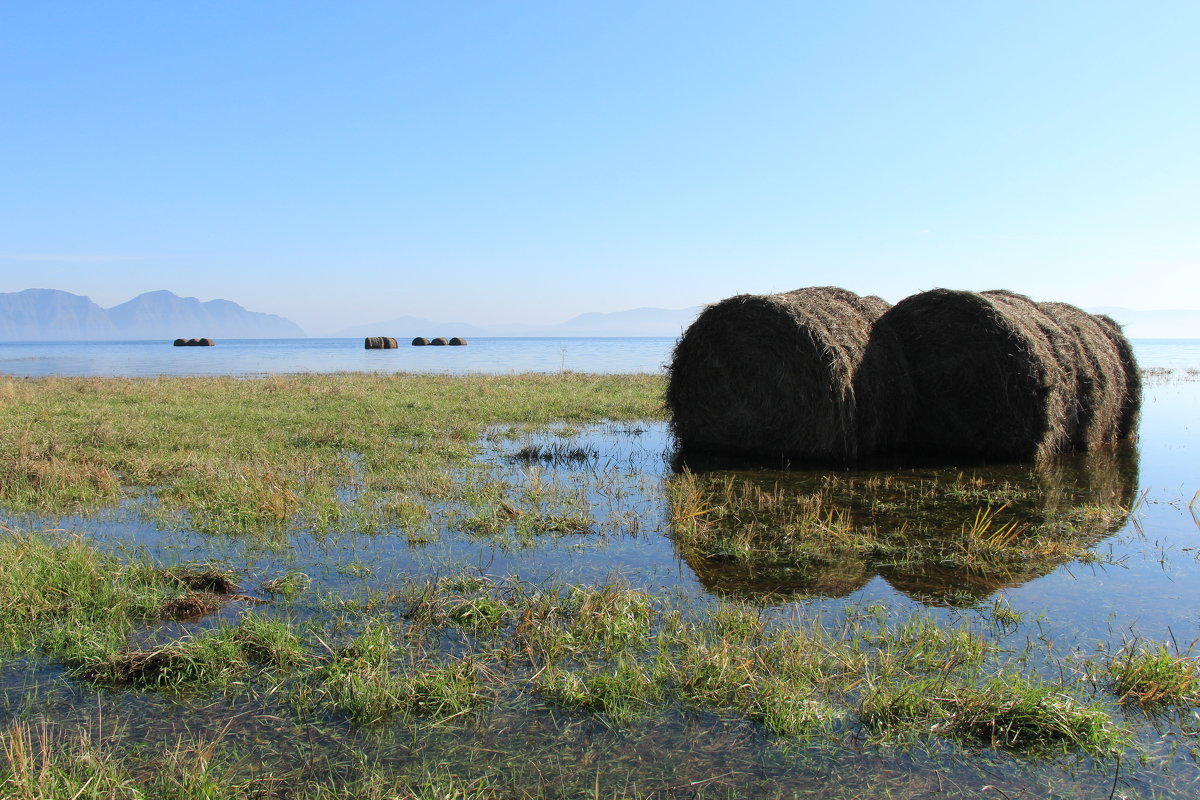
997,376
439,341
420,341
380,343
458,341
986,378
1099,371
1131,403
779,376
179,342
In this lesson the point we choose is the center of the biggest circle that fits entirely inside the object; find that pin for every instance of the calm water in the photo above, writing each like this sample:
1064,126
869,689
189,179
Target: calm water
250,357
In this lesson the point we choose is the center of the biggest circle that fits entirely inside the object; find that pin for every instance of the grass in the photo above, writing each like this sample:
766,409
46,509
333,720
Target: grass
1154,676
244,456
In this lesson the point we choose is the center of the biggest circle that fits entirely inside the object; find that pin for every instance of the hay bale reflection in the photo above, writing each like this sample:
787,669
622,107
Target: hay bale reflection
940,535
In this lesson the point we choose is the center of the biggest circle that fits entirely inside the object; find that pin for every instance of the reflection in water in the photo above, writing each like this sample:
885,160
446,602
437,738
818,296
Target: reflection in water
940,535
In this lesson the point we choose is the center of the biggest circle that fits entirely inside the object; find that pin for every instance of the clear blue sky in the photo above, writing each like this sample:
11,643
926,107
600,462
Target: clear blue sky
341,163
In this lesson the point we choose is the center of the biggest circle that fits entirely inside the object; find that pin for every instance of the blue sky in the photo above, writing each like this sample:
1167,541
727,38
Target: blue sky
341,163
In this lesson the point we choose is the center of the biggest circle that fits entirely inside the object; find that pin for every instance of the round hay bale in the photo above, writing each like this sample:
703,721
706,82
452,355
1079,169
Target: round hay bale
458,341
779,375
986,377
420,341
1098,368
179,342
1131,402
438,342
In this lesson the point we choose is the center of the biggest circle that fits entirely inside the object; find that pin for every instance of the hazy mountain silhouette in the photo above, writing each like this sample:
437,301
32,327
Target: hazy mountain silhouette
50,314
636,322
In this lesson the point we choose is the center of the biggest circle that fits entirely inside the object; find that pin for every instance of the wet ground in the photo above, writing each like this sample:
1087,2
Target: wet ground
1134,514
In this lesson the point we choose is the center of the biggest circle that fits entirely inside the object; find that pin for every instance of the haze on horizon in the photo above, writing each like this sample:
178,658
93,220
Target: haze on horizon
341,164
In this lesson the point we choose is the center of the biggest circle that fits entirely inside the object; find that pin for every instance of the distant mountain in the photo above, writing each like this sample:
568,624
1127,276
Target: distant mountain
411,327
1162,324
637,322
163,315
49,314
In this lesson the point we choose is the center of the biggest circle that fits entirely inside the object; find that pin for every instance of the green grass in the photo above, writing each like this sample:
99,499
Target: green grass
245,456
1154,676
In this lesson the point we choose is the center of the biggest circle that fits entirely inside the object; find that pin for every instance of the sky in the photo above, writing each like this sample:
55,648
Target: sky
343,163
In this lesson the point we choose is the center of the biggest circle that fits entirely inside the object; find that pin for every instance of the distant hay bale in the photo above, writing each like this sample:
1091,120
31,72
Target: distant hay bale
420,341
458,341
782,375
999,377
380,343
179,343
439,341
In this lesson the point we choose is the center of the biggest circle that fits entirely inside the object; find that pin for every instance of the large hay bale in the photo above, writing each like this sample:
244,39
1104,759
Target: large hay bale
380,343
440,341
779,375
420,341
458,341
1101,385
999,377
1131,403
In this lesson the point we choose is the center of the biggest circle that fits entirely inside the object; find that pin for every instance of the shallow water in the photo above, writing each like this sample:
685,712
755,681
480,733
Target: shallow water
1142,581
250,357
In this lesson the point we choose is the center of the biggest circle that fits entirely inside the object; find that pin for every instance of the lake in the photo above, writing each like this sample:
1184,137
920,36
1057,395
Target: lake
251,357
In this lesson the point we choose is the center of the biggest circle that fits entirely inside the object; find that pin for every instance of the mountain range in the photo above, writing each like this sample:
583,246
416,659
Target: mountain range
636,322
50,314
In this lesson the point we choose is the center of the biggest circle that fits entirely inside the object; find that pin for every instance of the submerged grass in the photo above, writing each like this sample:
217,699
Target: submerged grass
446,648
1154,676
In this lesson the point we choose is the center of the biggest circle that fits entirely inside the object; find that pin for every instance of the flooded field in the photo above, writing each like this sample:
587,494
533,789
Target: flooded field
513,586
